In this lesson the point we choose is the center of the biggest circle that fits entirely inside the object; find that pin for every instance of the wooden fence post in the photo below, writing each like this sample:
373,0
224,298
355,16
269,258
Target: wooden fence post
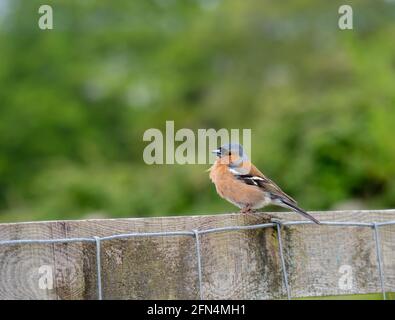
235,264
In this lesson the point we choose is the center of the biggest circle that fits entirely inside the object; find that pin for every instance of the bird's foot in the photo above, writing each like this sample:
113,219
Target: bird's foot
247,210
262,216
259,218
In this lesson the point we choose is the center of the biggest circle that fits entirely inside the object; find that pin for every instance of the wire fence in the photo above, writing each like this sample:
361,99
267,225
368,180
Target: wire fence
375,226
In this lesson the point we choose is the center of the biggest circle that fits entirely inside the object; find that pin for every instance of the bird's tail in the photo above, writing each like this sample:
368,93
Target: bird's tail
295,208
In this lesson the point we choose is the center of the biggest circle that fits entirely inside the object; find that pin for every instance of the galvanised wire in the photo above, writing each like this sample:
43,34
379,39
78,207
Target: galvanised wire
196,234
379,258
199,263
98,268
281,252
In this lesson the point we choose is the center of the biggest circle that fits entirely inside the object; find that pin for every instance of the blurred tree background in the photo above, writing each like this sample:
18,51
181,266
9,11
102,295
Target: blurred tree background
76,100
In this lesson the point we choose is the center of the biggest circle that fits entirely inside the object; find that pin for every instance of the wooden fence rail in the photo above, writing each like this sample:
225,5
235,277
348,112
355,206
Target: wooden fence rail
234,264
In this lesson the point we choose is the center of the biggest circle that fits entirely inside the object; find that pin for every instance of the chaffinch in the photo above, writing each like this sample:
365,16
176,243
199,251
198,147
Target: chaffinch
241,183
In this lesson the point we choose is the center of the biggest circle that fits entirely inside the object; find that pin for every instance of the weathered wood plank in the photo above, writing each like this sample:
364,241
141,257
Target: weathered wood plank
235,264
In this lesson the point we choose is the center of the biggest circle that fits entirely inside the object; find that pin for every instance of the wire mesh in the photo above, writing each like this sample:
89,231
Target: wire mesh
375,226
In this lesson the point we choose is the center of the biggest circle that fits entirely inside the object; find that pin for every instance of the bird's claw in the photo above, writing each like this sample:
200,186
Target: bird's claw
247,210
259,217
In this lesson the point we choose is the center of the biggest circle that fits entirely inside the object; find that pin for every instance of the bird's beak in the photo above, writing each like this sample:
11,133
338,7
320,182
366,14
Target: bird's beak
217,152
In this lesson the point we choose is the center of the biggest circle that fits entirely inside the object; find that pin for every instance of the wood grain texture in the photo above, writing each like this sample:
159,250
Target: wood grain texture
235,264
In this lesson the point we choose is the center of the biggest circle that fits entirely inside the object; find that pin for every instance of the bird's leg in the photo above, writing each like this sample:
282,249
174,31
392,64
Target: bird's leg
247,209
263,216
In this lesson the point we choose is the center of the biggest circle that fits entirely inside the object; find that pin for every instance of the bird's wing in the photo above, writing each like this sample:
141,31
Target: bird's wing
256,178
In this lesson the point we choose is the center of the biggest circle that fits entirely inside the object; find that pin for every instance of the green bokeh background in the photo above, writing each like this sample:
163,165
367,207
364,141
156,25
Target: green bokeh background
76,100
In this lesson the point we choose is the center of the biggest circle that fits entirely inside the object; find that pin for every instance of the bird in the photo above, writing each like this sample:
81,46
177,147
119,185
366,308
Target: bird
238,181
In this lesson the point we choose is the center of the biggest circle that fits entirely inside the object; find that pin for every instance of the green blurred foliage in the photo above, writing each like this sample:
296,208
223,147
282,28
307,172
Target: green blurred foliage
75,102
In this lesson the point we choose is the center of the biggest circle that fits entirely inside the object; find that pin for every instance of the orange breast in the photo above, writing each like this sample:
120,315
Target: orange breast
233,190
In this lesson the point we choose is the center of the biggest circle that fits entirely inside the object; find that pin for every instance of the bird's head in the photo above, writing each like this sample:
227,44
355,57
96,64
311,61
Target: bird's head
231,154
